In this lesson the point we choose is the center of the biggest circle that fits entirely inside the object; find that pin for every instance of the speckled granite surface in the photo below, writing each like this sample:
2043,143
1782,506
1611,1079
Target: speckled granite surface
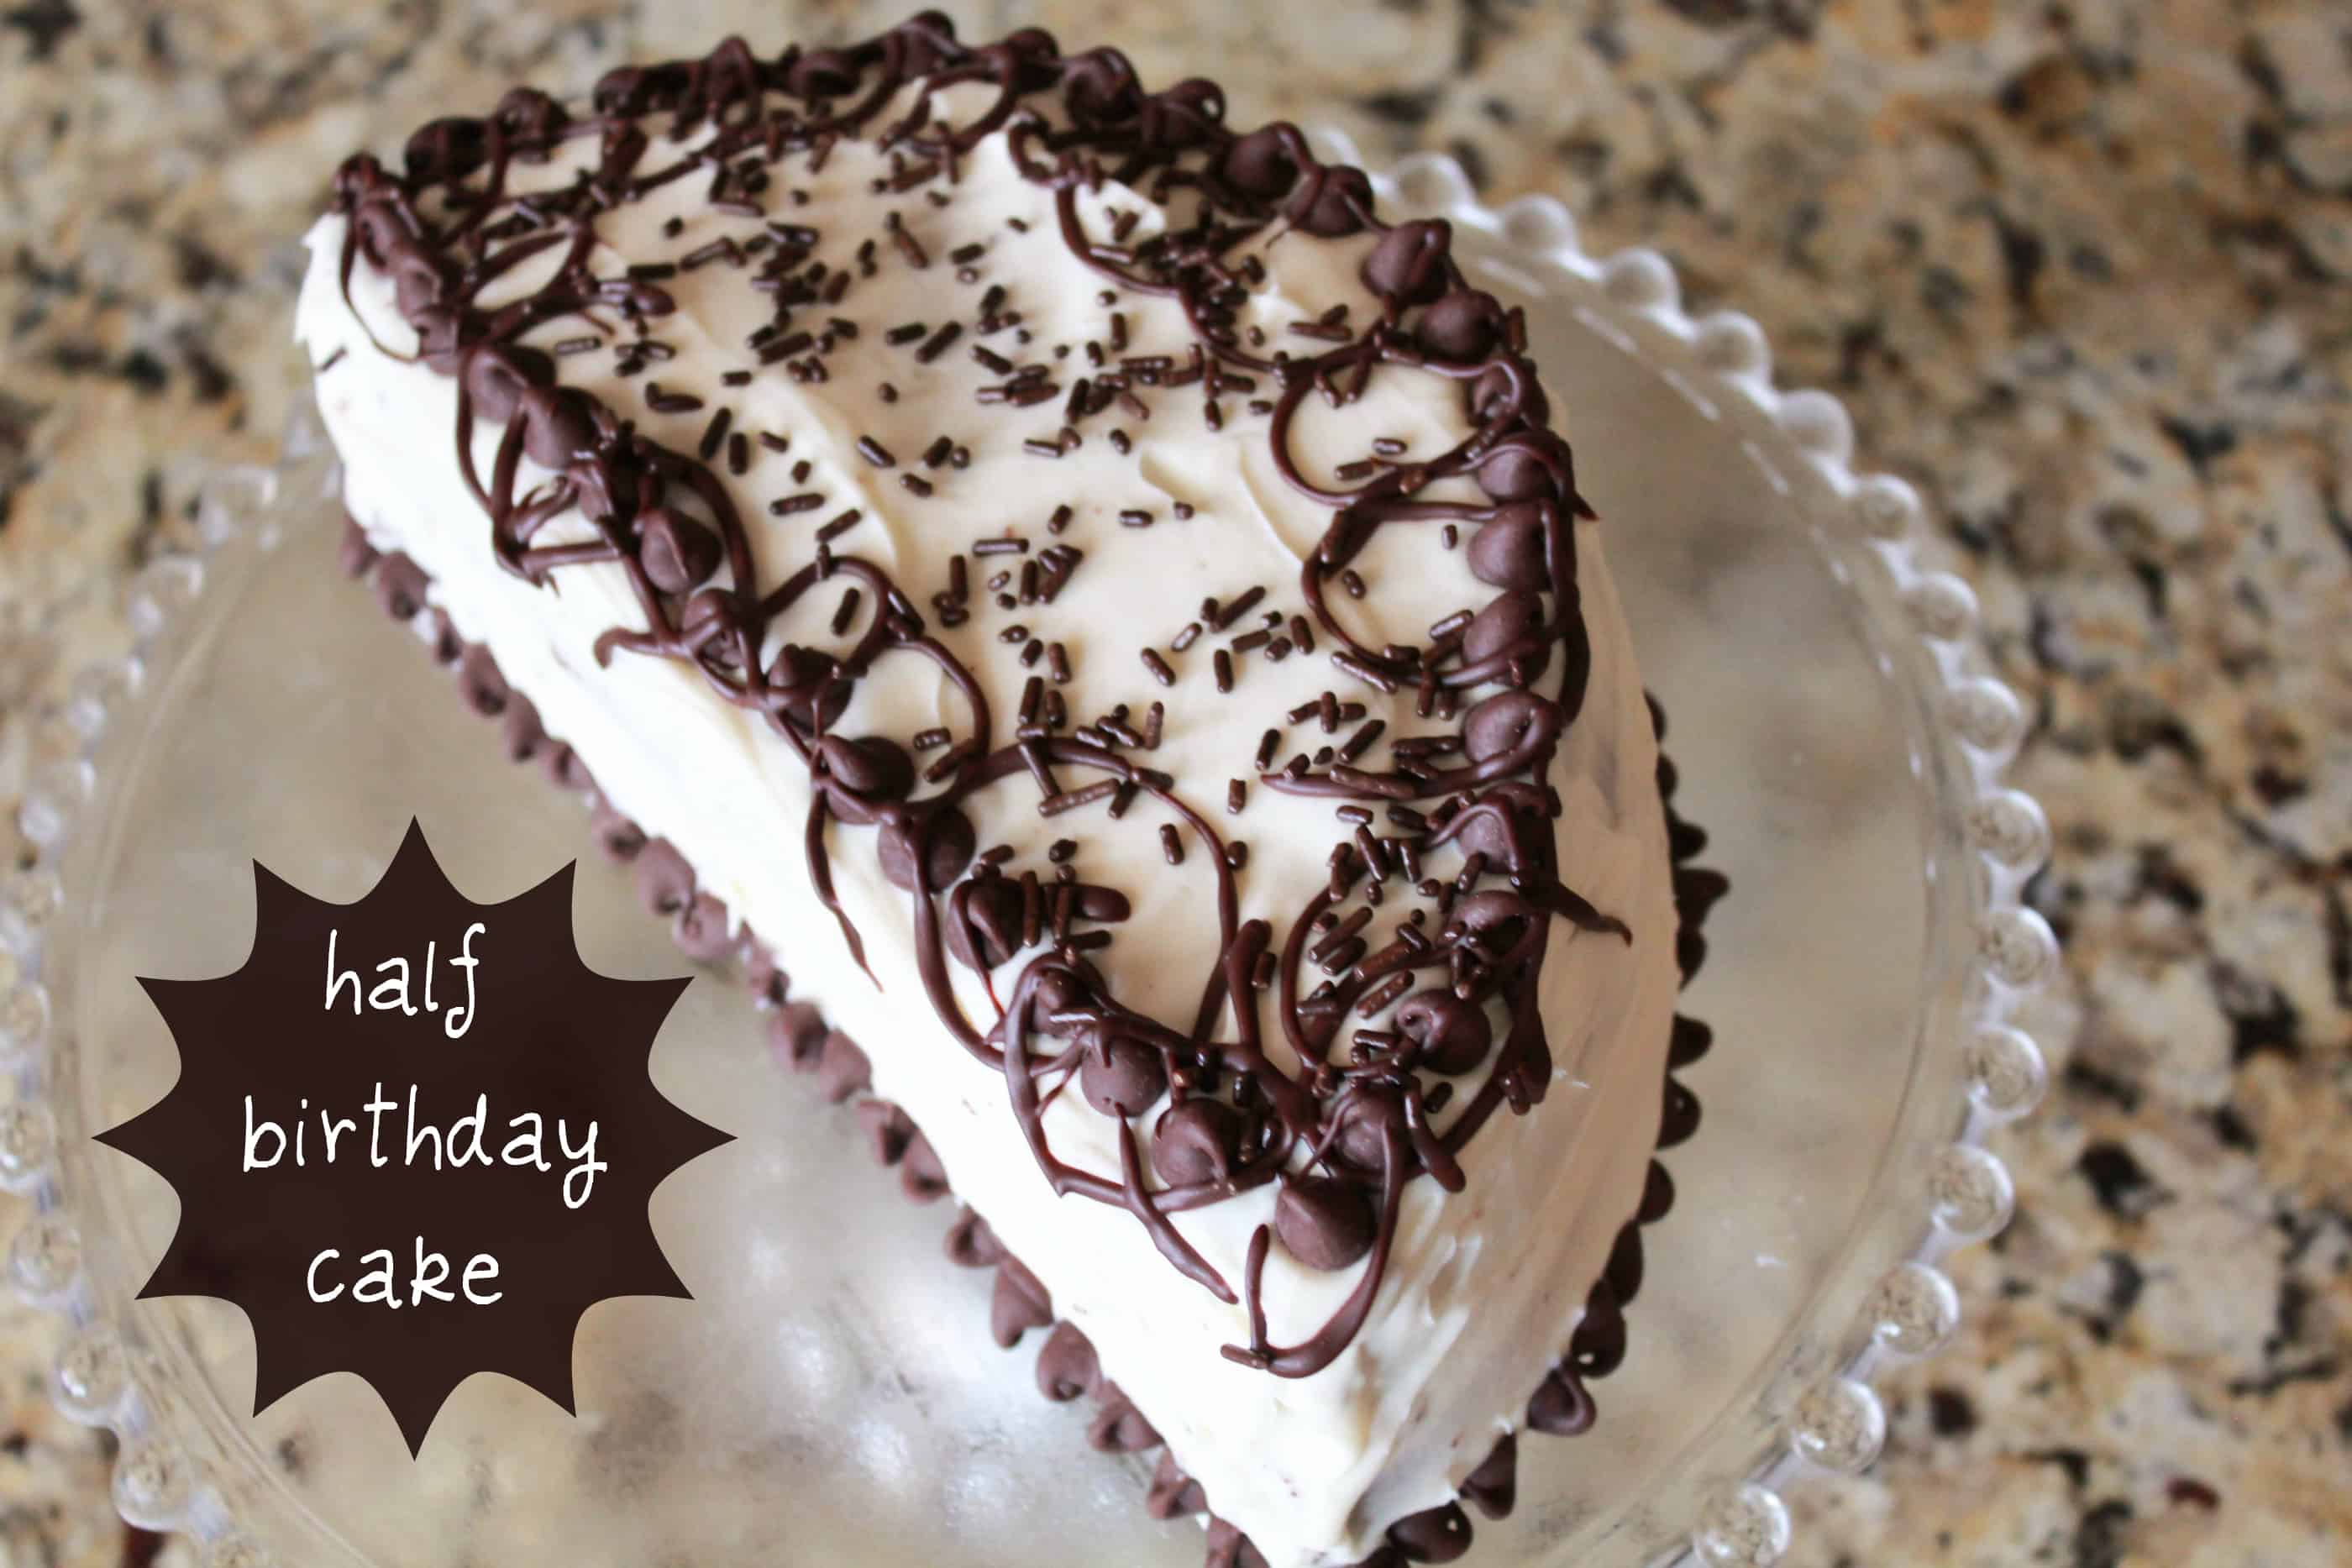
2083,271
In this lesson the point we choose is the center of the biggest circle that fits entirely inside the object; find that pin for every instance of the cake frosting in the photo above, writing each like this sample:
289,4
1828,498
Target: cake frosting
896,374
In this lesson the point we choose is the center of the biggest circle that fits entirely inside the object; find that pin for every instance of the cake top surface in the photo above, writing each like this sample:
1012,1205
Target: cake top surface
906,385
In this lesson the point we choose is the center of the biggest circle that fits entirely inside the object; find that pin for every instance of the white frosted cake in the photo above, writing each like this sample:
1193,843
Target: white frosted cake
1109,612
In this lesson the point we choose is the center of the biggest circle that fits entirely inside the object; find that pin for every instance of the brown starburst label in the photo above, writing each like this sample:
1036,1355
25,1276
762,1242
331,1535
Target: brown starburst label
414,1138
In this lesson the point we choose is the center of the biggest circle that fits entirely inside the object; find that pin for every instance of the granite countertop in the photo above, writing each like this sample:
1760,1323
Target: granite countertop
2080,269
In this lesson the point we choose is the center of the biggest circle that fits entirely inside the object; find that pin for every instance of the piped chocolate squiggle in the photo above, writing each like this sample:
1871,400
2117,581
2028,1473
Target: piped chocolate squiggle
1344,1133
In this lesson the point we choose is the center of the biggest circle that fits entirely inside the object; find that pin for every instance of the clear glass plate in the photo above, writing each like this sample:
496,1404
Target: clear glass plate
831,1396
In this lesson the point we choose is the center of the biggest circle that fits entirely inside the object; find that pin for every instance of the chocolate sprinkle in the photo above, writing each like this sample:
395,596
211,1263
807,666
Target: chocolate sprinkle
939,342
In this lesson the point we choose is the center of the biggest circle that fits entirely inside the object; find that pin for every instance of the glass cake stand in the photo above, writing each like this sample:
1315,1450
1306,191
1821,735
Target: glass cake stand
831,1396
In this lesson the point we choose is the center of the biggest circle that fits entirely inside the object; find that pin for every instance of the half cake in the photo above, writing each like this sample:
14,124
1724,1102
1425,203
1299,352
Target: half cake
1110,613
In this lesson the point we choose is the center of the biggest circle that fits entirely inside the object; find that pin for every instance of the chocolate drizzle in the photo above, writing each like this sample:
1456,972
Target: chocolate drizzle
1346,1132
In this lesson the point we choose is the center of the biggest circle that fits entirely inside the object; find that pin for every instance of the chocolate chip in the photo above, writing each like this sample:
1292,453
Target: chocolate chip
1196,1141
920,1176
445,150
1056,991
632,89
1494,1486
529,114
418,278
888,1130
983,922
1696,889
1019,1304
558,761
559,423
1597,1347
1185,115
1516,470
1100,87
799,678
763,976
664,882
379,223
1505,834
1328,200
1510,722
400,586
1453,1034
1364,1119
842,1069
1260,165
1678,1117
821,73
710,613
873,768
1408,266
929,40
951,840
520,729
1067,1367
1495,396
565,770
1124,1079
796,1037
677,553
1173,1493
1657,1195
1509,551
484,688
447,646
1119,1427
1323,1221
700,929
1627,1261
1229,1548
1510,622
970,1244
355,555
1437,1534
1560,1407
1463,326
440,336
617,836
1497,918
496,376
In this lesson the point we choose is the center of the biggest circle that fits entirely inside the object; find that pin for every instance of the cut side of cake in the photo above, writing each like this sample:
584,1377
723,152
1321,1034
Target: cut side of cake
1111,612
